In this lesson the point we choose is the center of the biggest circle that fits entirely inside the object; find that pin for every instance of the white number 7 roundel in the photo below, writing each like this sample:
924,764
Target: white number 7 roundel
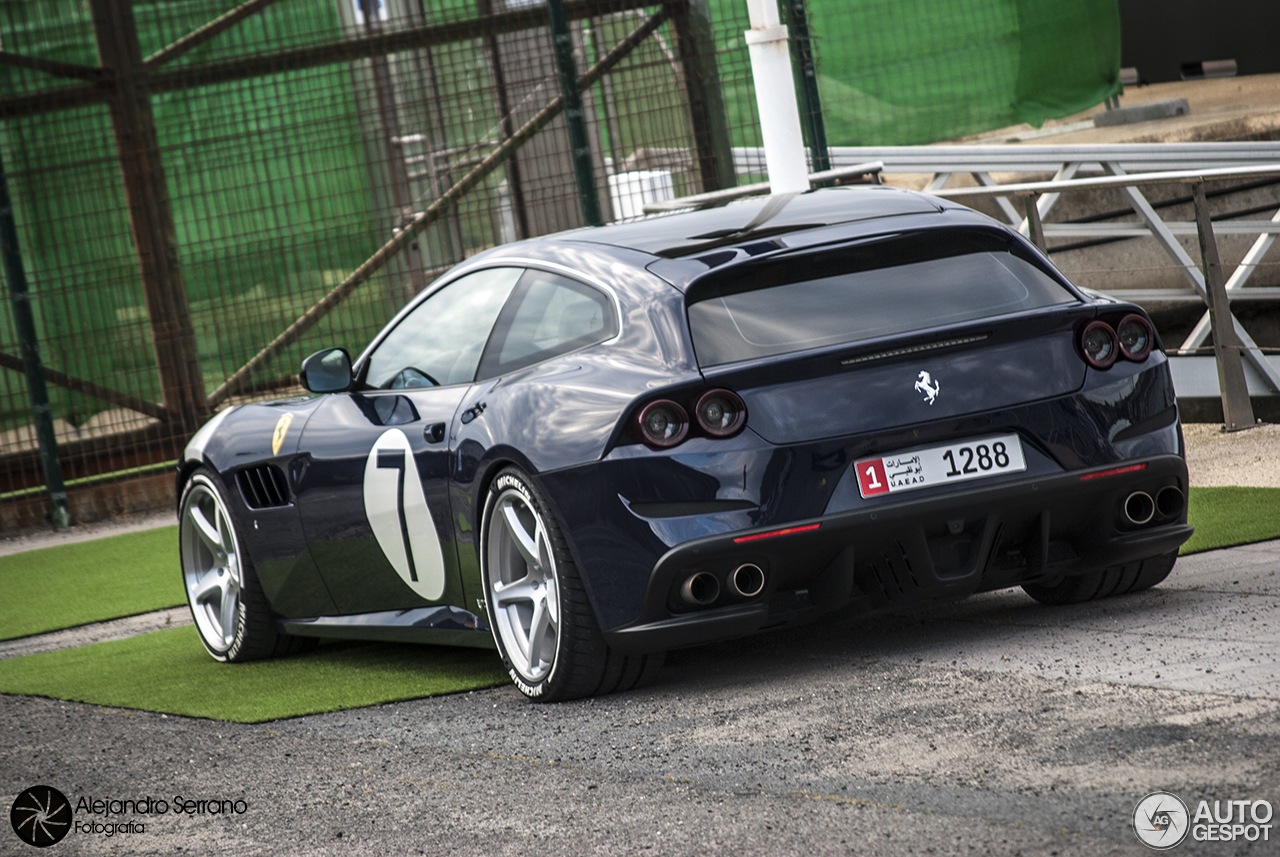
398,514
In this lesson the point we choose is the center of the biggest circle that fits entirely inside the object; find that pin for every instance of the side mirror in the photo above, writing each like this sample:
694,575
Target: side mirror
327,371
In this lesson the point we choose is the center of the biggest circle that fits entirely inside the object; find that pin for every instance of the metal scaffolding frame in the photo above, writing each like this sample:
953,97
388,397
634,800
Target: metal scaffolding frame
1231,342
1127,168
1220,161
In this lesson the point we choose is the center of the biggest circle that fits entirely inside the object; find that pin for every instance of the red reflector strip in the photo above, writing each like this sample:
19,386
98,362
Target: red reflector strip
1113,472
788,531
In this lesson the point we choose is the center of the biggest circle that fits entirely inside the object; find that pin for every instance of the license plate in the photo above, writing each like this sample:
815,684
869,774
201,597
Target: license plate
940,465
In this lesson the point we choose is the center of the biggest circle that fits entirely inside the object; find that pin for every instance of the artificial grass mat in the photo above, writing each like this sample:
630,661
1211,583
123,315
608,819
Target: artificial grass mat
1228,516
67,585
169,671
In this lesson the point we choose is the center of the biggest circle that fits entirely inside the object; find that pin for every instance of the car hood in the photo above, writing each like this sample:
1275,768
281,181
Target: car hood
244,434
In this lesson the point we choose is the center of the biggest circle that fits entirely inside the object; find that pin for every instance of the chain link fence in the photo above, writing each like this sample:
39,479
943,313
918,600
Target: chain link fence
205,191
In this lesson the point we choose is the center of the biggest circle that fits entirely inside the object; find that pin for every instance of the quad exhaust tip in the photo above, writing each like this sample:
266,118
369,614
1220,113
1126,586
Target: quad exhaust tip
1170,501
747,580
700,589
1139,508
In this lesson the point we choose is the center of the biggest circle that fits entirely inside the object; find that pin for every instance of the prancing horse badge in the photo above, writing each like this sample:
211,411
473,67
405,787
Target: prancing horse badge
928,386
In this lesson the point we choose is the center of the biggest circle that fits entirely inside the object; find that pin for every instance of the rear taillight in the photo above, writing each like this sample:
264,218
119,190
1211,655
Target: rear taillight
663,423
1136,337
1099,344
720,413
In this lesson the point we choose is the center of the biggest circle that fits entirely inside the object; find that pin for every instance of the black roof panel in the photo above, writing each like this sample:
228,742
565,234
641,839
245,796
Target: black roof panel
682,234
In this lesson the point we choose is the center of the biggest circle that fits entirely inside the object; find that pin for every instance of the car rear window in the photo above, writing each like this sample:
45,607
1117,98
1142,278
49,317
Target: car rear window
874,289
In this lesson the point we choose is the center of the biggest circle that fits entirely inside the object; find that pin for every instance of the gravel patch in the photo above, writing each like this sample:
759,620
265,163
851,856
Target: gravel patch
98,632
48,537
810,741
1250,458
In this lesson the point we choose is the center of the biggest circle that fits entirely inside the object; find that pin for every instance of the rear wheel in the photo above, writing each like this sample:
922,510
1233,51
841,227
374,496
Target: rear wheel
542,620
231,613
1118,580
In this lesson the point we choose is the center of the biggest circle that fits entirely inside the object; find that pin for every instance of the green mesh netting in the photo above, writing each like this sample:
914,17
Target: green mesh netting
897,72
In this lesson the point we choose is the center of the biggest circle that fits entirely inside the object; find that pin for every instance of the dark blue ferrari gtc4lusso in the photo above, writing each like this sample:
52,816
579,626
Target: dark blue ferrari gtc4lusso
589,448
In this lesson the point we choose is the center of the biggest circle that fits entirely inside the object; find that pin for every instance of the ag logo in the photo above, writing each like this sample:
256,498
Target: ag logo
1160,820
928,386
41,816
398,514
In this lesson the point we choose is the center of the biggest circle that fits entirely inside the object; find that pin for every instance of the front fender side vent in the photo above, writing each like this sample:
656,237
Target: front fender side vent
263,486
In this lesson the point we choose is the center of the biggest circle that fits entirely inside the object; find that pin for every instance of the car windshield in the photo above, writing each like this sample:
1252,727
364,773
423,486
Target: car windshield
848,298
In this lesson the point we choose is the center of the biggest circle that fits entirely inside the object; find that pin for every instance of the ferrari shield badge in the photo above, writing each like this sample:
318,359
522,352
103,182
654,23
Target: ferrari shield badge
282,429
928,386
399,517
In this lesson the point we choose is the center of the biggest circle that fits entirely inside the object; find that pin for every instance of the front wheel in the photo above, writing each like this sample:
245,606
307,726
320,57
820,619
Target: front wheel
231,613
542,620
1118,580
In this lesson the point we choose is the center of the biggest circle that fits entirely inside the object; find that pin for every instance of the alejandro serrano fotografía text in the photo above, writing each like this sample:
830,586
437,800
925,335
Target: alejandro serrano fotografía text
114,808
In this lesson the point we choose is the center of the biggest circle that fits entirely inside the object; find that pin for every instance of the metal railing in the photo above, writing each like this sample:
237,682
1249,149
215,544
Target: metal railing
1065,162
1231,343
1160,163
1129,169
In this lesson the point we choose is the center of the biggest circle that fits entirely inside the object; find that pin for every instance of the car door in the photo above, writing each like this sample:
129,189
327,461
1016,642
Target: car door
529,355
374,493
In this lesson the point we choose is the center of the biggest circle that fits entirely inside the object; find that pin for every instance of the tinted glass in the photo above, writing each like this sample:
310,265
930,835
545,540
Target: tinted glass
864,304
328,371
548,315
441,341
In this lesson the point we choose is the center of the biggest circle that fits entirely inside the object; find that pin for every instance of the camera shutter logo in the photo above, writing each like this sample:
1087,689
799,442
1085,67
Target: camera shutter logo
41,816
1161,821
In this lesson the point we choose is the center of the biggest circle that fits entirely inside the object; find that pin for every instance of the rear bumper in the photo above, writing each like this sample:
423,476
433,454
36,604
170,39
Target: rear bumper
941,547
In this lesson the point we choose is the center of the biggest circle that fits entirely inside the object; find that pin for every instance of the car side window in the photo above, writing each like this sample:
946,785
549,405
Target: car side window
440,342
547,315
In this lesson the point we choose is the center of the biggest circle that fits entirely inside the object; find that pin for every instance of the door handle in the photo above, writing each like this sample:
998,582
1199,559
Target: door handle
433,433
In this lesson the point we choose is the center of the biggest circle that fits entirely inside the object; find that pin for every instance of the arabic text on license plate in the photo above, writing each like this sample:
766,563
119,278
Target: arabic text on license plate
939,465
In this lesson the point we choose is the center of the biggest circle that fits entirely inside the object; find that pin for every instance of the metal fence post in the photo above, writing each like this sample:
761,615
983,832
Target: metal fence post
580,149
1237,410
696,45
384,93
503,102
150,216
815,130
24,324
1035,228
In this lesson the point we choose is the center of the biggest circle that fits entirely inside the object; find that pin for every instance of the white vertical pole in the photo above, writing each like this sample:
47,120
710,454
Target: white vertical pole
776,99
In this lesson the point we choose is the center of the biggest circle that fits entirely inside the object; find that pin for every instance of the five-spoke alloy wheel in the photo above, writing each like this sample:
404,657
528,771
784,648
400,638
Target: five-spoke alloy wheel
231,613
523,585
542,619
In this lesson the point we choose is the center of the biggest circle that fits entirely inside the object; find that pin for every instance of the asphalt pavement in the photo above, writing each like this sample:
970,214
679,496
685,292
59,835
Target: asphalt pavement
994,725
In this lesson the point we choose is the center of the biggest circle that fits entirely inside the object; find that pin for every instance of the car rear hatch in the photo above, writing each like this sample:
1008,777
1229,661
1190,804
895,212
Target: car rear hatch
887,332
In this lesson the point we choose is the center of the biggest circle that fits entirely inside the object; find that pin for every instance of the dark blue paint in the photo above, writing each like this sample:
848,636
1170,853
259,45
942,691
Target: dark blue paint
338,439
810,416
